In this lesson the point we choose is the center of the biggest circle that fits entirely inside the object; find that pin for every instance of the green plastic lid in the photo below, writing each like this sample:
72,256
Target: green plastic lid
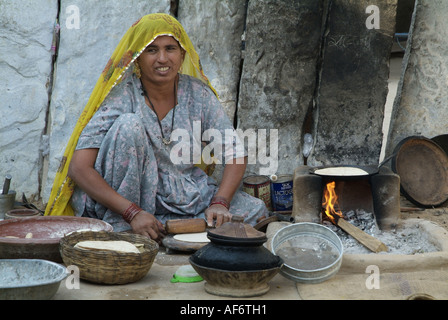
186,274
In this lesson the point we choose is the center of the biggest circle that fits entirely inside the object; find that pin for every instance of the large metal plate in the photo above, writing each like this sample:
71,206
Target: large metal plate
423,169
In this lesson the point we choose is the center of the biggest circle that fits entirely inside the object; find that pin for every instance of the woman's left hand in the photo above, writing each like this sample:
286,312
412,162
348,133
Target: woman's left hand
218,213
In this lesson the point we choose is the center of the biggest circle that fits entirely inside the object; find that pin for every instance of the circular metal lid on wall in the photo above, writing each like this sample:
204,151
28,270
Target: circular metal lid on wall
423,169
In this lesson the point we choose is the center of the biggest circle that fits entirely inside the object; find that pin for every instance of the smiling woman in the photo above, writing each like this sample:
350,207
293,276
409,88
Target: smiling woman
117,164
160,62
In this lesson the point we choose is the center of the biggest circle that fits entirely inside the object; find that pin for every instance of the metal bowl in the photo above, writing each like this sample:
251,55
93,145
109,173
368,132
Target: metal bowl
30,279
311,252
44,235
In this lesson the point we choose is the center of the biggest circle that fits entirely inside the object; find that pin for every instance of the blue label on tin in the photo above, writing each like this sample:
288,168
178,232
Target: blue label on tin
282,196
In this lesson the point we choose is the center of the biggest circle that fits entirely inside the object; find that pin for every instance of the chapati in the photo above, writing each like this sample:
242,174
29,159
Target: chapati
109,245
341,171
200,237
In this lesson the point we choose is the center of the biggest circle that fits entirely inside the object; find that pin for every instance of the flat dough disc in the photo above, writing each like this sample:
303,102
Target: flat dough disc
111,245
200,237
341,171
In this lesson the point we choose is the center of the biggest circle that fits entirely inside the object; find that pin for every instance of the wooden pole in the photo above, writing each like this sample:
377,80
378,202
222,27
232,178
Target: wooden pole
366,239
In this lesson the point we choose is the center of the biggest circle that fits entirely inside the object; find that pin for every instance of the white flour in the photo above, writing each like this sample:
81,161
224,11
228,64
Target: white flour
410,240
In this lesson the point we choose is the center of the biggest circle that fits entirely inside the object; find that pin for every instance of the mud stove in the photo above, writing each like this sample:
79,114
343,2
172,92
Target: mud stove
377,191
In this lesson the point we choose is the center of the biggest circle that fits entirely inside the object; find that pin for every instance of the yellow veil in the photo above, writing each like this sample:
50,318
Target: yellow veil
142,33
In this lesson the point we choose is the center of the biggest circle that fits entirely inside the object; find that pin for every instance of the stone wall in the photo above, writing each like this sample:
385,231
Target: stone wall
420,109
281,65
26,33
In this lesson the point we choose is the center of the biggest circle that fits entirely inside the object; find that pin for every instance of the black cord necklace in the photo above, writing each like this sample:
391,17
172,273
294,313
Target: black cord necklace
164,140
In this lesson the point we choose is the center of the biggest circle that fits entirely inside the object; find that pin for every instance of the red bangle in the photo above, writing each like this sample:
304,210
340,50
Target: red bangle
221,201
131,212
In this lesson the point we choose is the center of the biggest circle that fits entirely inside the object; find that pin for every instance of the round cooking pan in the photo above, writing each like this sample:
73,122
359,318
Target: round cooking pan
423,169
345,171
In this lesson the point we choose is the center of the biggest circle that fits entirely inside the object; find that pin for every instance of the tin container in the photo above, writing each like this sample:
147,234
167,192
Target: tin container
259,187
282,192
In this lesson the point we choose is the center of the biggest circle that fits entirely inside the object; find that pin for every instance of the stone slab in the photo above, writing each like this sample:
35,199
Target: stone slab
25,67
353,84
217,35
420,109
278,77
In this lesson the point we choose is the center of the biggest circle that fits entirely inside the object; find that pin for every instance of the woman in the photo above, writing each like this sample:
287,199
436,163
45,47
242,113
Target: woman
121,167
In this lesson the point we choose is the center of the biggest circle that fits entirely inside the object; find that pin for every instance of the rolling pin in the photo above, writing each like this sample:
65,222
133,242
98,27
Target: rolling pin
177,226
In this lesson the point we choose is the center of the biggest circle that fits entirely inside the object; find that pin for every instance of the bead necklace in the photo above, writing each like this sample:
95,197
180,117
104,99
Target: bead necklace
164,140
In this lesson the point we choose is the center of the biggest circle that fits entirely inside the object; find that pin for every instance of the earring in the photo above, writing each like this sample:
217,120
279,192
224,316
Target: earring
137,70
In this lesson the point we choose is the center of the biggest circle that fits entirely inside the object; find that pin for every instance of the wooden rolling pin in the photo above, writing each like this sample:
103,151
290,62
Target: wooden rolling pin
177,226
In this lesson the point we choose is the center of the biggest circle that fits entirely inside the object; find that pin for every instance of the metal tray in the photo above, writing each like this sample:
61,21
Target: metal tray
423,169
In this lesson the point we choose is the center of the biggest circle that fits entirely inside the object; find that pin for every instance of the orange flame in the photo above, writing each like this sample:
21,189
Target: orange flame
330,200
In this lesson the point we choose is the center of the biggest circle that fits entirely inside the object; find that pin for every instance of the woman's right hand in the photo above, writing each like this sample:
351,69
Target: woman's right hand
146,224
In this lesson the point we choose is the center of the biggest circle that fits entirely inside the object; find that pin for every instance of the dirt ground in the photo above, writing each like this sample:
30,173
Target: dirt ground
437,215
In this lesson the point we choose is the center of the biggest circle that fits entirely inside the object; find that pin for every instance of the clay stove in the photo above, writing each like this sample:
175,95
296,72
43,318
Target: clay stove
378,193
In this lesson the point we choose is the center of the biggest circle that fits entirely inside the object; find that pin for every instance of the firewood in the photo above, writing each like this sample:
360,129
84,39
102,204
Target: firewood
364,238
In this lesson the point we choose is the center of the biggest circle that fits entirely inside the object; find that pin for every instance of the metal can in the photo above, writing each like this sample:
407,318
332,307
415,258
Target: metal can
282,192
259,187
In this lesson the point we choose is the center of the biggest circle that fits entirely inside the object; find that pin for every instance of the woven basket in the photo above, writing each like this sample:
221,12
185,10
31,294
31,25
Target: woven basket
108,267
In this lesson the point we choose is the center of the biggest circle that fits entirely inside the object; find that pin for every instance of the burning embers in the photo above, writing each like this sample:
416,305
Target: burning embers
329,207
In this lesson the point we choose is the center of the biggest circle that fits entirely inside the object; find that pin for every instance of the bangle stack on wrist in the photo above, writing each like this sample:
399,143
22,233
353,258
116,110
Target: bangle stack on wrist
131,212
221,201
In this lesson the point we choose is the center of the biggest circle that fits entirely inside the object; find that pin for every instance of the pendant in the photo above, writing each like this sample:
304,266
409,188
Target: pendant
166,141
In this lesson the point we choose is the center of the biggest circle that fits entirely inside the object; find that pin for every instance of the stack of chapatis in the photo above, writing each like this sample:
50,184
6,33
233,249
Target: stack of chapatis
109,245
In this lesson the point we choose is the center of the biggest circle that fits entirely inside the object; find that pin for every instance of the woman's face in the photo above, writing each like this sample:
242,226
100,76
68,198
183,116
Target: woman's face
161,60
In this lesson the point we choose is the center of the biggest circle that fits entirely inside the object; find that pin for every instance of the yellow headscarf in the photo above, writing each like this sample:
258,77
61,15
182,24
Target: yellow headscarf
142,33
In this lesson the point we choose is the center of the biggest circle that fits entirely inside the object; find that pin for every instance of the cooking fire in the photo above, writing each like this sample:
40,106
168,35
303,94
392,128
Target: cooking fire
330,200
